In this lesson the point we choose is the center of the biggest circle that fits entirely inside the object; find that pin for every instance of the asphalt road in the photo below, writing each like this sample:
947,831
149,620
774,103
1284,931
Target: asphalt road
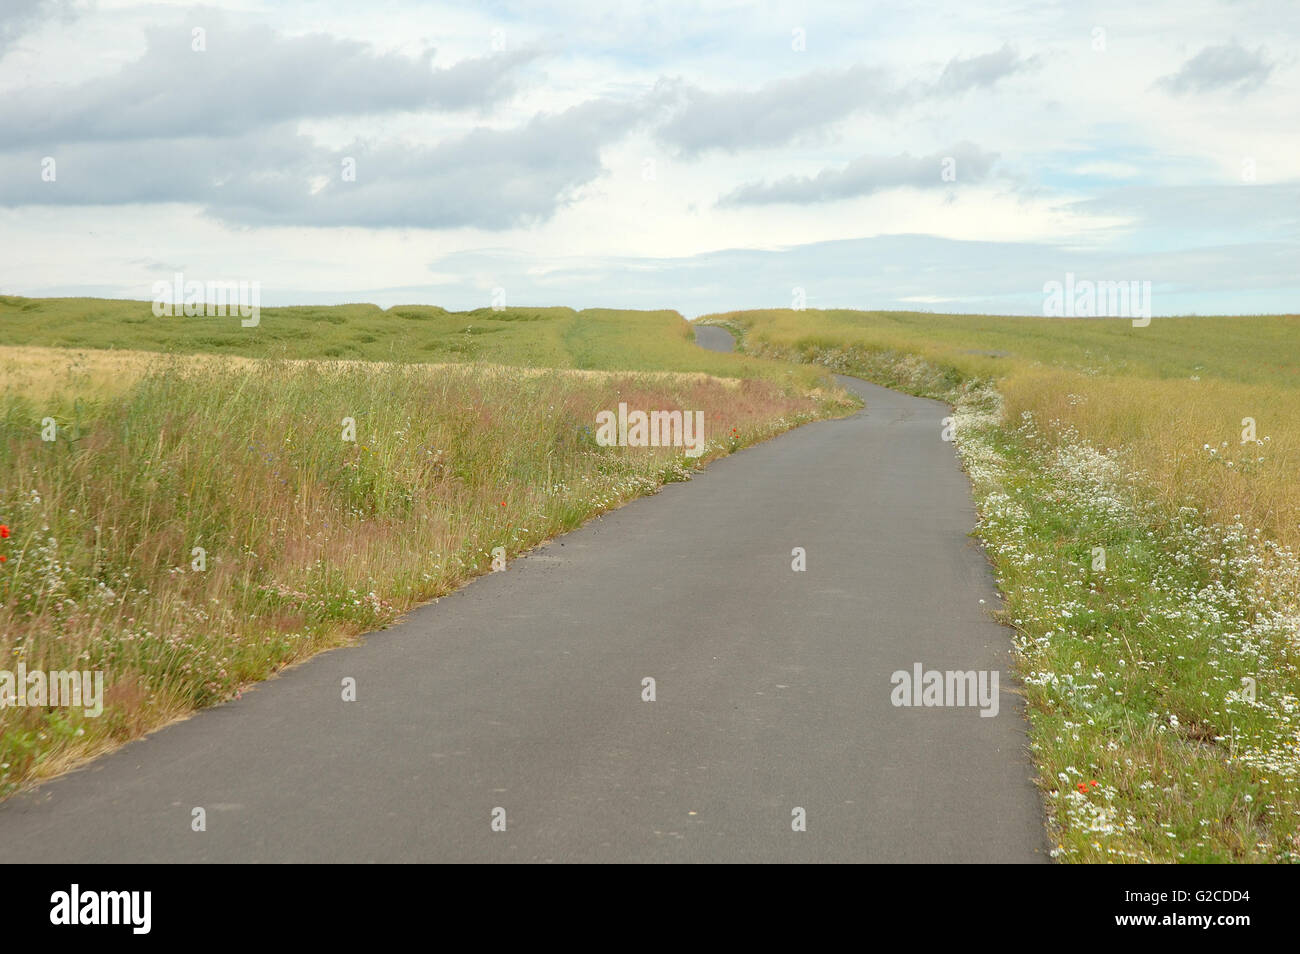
524,692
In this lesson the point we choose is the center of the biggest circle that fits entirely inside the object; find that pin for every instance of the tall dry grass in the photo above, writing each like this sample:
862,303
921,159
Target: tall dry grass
1186,436
307,539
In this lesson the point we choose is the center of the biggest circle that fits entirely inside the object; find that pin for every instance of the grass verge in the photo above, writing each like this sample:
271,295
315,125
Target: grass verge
199,522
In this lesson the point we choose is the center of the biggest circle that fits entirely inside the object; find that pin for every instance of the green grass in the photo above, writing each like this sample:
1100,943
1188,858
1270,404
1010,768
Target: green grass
593,339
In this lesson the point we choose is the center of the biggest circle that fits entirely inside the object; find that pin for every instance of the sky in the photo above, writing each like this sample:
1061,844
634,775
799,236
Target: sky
935,155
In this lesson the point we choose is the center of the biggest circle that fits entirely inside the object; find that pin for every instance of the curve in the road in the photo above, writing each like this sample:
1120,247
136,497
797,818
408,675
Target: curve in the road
525,692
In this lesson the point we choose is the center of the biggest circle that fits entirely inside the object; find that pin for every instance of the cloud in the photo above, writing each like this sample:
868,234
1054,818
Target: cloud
1230,66
19,16
247,77
982,72
774,114
489,178
781,111
869,174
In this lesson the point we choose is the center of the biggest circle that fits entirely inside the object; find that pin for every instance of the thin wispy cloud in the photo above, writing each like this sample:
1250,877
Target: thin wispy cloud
778,113
963,162
984,71
1228,66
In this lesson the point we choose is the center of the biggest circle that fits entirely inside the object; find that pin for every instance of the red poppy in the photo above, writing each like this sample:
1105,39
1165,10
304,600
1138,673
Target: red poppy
3,559
1083,788
4,531
503,503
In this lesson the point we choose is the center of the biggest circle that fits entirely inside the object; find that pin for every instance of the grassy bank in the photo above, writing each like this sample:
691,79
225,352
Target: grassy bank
592,339
200,522
1146,552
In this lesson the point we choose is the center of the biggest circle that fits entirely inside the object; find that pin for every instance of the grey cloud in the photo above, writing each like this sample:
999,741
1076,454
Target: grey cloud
489,178
492,179
981,72
776,113
1229,66
247,77
869,174
151,171
20,16
785,109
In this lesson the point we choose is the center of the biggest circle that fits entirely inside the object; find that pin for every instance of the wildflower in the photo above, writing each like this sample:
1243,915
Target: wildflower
4,531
